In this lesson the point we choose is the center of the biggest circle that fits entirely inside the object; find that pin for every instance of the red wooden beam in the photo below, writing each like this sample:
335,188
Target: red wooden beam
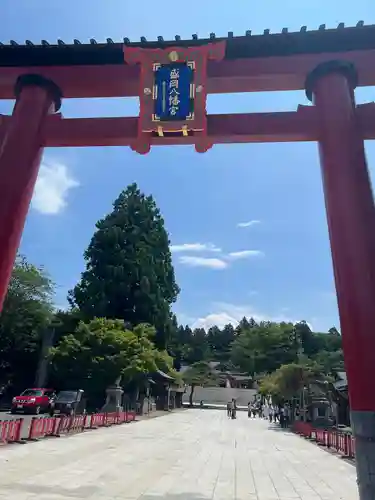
291,126
241,75
238,128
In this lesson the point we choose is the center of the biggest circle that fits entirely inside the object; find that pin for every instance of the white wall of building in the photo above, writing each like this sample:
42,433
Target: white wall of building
220,395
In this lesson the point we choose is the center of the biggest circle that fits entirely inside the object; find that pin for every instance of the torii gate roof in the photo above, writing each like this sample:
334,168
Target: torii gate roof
322,40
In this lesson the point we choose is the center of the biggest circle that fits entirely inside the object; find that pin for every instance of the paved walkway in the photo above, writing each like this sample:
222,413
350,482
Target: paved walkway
190,455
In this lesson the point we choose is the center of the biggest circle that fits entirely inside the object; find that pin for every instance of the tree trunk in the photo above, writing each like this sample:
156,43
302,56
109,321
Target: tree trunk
191,395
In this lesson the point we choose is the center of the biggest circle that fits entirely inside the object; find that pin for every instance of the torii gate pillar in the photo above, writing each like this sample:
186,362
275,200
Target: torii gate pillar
351,223
20,154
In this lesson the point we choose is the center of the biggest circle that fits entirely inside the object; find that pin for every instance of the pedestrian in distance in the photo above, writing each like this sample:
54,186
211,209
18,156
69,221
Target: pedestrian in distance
229,409
282,417
234,409
276,414
270,414
249,410
287,415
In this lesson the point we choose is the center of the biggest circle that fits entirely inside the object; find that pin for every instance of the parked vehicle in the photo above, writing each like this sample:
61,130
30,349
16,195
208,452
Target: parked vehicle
70,403
35,400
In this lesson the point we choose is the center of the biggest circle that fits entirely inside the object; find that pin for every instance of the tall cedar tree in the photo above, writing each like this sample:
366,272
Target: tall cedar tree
129,273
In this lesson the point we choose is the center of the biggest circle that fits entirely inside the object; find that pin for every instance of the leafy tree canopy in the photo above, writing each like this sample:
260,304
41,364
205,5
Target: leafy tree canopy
258,348
264,347
129,273
26,313
287,381
102,351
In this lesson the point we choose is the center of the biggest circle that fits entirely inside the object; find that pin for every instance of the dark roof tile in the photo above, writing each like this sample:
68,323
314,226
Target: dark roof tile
341,39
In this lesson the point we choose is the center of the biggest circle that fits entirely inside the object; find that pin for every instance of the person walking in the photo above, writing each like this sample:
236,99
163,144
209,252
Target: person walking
249,410
282,417
275,414
234,409
266,411
271,414
287,415
229,409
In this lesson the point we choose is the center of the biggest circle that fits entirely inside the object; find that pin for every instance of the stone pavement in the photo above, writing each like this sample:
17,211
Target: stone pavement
190,455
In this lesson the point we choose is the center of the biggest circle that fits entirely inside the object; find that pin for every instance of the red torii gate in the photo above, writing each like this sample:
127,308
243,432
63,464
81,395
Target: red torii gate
328,64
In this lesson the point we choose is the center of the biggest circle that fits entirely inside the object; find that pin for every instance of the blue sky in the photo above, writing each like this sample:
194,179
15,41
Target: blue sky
204,198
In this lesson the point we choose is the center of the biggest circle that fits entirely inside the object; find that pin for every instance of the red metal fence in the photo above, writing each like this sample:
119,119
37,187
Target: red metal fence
107,419
56,426
341,442
10,431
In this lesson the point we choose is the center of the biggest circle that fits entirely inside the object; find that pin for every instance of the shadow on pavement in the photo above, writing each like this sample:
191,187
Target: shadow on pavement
277,428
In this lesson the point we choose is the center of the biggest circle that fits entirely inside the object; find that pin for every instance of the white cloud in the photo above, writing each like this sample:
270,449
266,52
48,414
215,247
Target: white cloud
212,263
52,188
202,262
248,223
244,254
223,313
195,247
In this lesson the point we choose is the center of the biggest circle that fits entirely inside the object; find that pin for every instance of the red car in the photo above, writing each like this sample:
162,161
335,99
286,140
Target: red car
36,400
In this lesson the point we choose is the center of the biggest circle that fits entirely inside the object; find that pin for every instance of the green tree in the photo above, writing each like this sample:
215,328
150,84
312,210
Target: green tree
64,323
220,341
288,380
102,351
198,348
26,313
264,347
129,273
330,361
198,374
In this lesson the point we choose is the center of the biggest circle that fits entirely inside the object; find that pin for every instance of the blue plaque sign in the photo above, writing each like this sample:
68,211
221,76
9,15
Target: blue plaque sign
173,92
